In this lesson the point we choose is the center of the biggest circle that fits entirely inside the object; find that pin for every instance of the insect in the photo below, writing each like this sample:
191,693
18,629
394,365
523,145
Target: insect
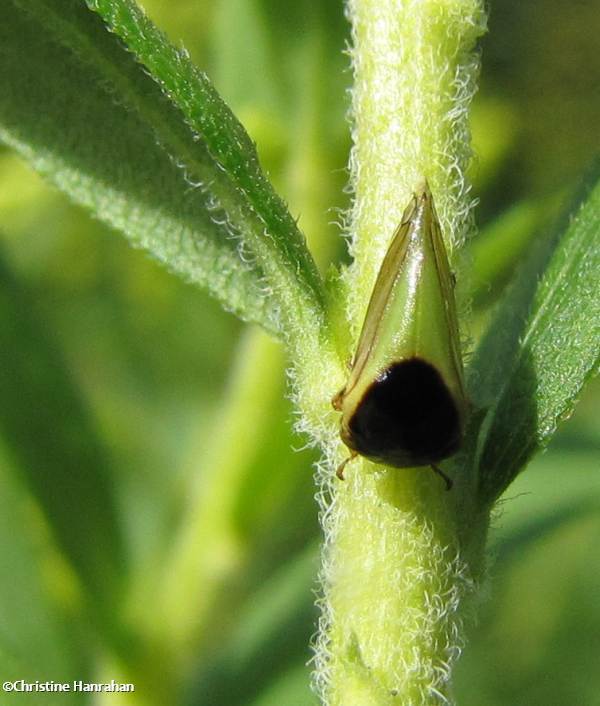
404,404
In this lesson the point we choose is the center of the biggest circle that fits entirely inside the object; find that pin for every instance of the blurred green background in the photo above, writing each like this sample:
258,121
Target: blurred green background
155,524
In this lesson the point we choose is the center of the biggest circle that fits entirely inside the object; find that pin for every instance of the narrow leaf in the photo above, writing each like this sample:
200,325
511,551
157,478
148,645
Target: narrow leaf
262,216
541,347
53,444
100,128
34,639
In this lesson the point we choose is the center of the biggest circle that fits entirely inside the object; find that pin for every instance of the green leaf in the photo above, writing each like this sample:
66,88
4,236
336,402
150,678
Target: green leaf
52,442
260,215
540,349
36,630
129,156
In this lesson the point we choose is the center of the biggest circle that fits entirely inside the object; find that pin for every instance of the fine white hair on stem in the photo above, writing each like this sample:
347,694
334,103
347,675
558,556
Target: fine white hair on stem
394,576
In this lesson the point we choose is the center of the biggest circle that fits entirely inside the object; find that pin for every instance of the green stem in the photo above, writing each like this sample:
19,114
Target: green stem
397,579
415,73
397,569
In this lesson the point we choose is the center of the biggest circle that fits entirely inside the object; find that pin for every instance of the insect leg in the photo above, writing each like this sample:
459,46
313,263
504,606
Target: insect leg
340,471
439,472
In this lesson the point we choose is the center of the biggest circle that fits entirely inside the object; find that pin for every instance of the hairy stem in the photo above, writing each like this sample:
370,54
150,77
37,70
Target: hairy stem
395,573
415,74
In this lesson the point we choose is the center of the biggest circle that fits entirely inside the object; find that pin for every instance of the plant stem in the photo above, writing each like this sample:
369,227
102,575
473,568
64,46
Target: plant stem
415,74
395,573
397,578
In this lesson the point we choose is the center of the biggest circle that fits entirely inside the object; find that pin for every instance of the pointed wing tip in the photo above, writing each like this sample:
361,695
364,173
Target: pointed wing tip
422,189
